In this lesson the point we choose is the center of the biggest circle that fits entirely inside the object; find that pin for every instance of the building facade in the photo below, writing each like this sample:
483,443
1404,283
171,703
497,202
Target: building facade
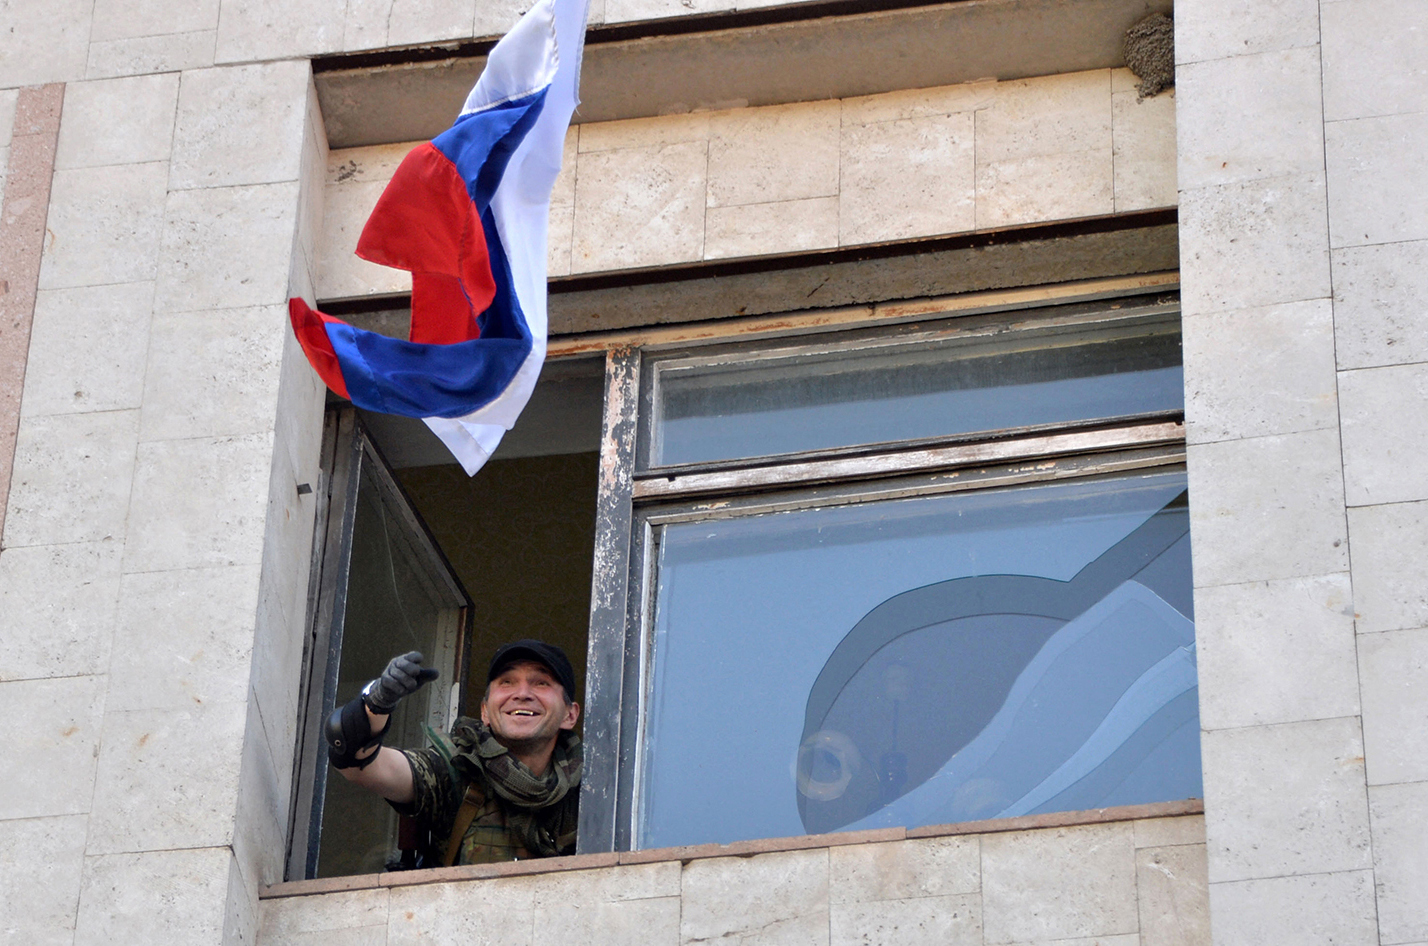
173,173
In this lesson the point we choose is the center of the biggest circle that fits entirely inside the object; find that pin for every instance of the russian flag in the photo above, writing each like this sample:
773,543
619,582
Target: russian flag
467,214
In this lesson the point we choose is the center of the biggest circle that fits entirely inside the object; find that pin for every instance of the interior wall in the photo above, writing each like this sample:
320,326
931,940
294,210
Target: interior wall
519,535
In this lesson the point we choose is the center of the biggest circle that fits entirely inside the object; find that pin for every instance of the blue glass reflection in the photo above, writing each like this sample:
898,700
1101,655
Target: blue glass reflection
922,661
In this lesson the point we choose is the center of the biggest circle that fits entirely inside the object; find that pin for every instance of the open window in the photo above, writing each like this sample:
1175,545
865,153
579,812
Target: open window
412,554
836,578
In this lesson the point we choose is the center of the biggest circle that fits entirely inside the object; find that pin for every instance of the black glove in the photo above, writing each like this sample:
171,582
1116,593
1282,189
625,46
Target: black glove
403,677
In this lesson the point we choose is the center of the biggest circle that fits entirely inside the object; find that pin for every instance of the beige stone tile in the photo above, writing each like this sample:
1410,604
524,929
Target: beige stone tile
1123,80
178,767
1215,29
776,153
1380,304
660,879
496,17
919,103
59,606
1126,939
1262,371
227,247
60,29
240,919
213,373
921,921
288,917
1254,243
757,229
117,121
1286,799
341,274
41,860
621,11
1173,896
188,634
1393,666
250,30
1250,117
1385,431
71,478
141,55
1168,832
491,912
1373,65
52,737
157,896
1319,908
104,225
1276,651
907,178
352,936
1267,508
410,22
87,349
562,209
240,125
261,822
1375,181
649,921
8,99
782,899
376,163
1059,883
198,503
644,132
1143,150
904,870
1400,855
1044,187
1050,115
639,207
365,25
1390,566
124,19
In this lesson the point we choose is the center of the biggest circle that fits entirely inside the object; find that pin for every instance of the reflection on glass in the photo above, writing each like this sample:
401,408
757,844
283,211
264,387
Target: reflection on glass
390,610
734,407
922,661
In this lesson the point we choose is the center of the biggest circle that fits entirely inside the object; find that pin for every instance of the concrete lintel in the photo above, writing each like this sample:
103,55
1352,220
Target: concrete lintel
798,59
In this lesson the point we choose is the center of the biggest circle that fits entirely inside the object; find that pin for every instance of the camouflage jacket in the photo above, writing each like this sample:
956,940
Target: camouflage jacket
456,766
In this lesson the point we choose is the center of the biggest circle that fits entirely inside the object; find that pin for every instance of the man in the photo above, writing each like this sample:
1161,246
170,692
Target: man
504,787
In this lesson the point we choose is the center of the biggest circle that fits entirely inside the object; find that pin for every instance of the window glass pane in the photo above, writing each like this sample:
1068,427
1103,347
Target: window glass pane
391,609
922,661
738,405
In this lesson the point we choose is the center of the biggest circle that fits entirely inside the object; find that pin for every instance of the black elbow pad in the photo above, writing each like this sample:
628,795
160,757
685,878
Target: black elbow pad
349,731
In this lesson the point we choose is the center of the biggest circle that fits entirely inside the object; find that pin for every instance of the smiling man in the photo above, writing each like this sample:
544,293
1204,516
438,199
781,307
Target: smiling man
504,787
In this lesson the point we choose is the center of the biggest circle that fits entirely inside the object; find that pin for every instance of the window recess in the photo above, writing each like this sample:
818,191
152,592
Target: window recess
898,576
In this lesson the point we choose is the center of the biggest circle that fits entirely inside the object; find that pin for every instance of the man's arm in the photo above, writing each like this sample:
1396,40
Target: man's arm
389,774
354,731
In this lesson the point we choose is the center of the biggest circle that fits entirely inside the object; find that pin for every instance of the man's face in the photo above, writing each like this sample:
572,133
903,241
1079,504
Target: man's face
525,706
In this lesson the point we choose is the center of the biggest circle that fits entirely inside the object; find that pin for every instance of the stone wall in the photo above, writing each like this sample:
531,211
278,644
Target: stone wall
816,175
1131,883
1303,226
153,564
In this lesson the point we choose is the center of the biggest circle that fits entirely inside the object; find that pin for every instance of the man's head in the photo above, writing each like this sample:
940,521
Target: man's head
529,699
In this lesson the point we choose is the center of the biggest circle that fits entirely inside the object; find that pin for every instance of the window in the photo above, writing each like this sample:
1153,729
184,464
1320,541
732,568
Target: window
863,576
899,576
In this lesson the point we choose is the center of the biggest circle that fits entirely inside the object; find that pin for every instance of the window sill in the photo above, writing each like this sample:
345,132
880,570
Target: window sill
548,865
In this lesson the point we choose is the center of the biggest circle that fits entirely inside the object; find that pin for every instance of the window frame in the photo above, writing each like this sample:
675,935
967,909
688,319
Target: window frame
634,502
348,451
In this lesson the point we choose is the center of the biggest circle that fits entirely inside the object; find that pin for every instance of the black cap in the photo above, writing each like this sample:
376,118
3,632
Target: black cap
542,653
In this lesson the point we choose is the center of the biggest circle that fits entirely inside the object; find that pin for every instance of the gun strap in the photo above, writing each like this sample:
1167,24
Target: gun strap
470,804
